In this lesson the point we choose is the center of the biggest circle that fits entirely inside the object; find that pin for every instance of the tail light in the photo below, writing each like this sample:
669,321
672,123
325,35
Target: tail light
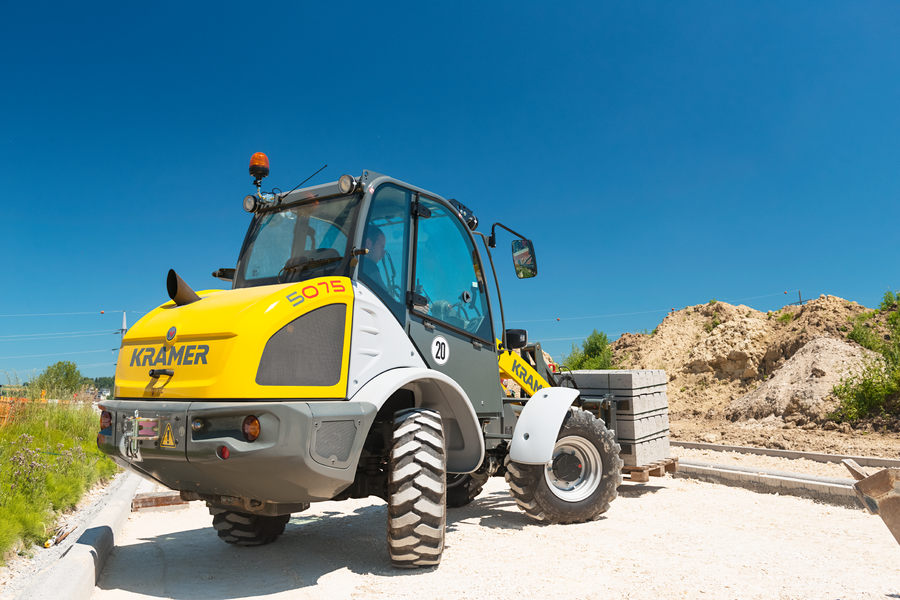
250,428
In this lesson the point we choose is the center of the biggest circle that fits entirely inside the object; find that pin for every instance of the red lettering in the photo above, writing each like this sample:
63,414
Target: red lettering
313,288
337,286
325,283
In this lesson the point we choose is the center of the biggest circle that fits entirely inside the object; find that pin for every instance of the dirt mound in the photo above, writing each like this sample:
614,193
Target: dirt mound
735,362
715,353
800,391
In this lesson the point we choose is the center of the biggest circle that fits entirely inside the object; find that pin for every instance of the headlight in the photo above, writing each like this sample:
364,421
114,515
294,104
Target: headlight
346,184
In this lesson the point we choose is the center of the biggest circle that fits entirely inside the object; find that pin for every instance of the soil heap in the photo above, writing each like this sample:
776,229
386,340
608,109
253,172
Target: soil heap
737,374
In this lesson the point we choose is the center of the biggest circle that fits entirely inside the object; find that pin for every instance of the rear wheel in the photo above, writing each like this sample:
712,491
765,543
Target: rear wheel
417,489
244,529
578,483
462,489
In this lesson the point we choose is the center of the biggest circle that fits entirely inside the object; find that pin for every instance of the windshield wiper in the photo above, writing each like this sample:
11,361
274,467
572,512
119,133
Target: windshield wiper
312,264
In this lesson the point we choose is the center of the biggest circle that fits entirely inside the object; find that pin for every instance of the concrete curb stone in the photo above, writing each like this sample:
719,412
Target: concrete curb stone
74,576
829,490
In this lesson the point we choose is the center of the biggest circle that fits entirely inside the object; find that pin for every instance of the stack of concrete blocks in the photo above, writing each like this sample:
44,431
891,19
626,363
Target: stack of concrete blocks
642,410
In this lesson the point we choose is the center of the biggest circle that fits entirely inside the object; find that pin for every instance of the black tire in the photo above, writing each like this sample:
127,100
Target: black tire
417,490
545,493
244,529
462,489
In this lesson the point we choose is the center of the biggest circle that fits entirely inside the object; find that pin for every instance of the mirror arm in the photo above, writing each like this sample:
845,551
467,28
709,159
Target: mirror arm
493,240
496,283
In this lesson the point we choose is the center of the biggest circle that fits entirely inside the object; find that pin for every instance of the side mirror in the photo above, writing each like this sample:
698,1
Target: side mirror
516,338
224,274
524,259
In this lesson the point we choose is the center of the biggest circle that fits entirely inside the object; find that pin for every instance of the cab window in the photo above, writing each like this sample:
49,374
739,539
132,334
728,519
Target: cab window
448,272
298,242
386,237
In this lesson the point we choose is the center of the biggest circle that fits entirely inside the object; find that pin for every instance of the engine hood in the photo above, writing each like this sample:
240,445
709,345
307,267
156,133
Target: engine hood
212,348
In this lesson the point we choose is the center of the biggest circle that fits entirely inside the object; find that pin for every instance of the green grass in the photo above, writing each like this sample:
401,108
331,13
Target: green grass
785,318
48,459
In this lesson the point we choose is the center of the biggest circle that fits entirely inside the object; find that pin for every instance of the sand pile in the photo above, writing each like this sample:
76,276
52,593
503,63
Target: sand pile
717,353
801,388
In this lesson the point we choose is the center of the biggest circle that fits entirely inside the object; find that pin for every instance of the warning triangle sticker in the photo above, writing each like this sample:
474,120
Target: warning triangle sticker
168,440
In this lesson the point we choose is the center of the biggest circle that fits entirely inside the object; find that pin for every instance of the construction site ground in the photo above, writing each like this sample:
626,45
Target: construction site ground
670,538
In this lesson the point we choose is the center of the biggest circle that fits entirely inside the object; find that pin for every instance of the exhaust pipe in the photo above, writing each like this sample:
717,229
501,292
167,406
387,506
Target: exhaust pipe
178,290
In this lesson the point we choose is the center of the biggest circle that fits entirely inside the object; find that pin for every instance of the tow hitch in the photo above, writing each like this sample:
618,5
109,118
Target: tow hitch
138,429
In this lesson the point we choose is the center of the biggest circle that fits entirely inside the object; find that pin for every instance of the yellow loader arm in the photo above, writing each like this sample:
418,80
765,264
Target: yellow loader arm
517,368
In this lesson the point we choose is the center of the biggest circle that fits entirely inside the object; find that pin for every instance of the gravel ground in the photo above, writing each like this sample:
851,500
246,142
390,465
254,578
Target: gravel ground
670,538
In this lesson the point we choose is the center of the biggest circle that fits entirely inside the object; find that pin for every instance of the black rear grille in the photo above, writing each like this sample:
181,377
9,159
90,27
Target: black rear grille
306,351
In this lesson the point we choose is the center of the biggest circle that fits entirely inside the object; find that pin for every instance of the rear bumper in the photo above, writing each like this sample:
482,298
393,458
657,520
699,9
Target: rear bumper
307,451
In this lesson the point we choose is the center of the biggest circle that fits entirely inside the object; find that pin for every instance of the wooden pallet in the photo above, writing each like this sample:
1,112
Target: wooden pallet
657,469
156,500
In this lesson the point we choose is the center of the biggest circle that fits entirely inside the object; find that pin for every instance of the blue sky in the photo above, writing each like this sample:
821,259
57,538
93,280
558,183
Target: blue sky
659,154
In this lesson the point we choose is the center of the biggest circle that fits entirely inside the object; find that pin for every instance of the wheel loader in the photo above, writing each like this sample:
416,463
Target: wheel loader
354,355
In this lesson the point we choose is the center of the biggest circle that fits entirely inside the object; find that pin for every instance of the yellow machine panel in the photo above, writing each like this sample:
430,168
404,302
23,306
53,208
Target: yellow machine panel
212,348
516,367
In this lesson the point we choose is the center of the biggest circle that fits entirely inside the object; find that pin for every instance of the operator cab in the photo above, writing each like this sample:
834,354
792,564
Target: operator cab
413,249
386,237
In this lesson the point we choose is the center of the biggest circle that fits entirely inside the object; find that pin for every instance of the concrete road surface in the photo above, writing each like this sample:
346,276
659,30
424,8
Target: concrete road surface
671,538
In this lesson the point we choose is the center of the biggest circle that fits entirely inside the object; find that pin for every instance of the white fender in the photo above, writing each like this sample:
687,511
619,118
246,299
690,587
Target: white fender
538,426
437,391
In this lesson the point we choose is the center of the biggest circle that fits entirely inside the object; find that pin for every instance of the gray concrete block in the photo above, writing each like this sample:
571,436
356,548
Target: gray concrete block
645,427
620,382
642,405
637,454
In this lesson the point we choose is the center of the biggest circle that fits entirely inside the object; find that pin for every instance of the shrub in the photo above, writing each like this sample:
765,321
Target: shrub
888,301
865,337
712,302
595,354
871,391
57,380
875,389
785,318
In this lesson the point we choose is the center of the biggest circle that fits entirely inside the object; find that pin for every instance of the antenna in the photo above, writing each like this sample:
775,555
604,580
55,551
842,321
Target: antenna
304,181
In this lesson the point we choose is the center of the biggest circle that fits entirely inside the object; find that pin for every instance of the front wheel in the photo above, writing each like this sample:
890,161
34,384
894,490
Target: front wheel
579,482
244,529
417,489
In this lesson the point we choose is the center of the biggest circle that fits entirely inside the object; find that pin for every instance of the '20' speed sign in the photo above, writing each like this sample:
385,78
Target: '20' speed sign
440,350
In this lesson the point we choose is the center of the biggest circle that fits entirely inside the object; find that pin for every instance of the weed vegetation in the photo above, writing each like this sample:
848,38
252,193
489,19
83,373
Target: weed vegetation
875,390
713,324
48,459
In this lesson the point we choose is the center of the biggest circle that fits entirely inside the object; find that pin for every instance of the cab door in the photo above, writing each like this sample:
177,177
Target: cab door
449,316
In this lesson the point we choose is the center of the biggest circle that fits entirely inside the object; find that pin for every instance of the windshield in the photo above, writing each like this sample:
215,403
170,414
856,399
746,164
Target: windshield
298,242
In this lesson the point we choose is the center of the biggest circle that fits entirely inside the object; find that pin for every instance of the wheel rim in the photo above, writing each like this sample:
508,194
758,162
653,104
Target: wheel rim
568,481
